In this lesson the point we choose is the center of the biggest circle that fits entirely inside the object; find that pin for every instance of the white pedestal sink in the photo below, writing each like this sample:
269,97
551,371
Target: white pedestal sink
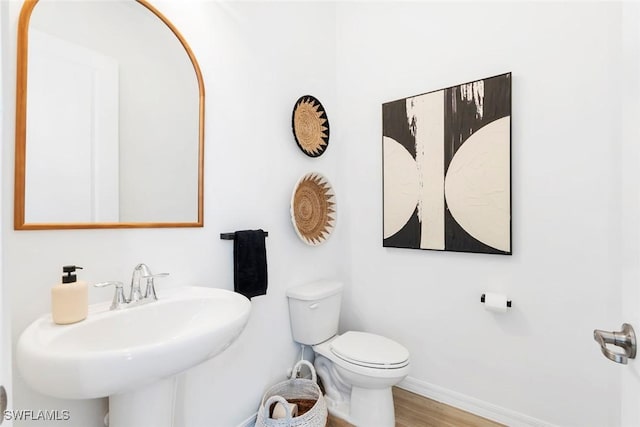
132,355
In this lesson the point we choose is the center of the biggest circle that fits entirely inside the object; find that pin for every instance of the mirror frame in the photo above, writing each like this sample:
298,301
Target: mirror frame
21,131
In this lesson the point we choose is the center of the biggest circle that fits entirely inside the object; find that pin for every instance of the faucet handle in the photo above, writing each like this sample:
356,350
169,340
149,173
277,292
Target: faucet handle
150,290
119,300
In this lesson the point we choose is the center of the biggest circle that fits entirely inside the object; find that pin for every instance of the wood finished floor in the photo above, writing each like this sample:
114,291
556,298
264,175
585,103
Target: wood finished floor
413,410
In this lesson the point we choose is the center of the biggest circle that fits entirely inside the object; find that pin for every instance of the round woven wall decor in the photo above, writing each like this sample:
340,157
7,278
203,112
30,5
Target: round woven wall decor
313,208
310,126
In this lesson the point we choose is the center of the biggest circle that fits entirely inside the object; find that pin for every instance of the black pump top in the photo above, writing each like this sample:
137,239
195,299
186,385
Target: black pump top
68,269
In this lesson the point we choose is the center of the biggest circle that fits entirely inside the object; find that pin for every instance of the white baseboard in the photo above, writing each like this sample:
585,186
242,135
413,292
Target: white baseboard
458,400
249,422
471,404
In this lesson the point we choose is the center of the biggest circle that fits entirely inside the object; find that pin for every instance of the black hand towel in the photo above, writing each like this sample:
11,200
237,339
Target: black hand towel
250,263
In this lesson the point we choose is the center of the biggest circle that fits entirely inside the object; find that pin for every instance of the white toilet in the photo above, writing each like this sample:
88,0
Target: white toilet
357,369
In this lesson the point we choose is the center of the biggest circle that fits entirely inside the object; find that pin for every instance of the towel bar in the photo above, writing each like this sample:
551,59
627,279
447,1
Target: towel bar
231,236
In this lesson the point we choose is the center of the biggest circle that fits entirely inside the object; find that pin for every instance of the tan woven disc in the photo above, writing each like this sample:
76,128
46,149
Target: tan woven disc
313,209
308,128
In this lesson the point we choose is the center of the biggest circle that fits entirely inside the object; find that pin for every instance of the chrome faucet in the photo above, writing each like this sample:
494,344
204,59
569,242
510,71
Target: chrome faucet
136,297
143,272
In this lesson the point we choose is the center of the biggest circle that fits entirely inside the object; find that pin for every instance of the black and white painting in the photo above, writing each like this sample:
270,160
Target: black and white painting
447,168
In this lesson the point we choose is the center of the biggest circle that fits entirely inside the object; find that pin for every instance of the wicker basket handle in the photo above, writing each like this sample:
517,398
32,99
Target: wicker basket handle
297,366
273,399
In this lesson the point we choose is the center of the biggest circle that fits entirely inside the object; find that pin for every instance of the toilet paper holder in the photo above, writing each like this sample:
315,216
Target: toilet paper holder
483,297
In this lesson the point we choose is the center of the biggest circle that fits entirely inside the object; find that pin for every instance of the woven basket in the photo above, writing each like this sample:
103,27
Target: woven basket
313,208
310,126
292,390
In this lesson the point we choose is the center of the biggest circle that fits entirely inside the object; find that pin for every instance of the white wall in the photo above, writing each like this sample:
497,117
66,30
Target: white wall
539,360
5,138
257,59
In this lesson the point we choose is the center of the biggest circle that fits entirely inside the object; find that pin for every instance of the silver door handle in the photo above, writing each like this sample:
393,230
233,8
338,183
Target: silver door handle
626,339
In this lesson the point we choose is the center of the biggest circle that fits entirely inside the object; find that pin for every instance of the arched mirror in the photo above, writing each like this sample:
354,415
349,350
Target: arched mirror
109,118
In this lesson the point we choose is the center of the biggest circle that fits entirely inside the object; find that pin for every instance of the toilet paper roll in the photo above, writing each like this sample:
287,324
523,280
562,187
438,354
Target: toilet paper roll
495,302
279,411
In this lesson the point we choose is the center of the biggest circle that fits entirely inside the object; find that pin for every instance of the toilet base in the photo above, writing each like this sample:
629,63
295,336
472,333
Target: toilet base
366,408
372,407
361,400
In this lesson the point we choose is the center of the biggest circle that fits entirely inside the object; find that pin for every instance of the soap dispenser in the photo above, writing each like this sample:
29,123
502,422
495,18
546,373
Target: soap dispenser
69,299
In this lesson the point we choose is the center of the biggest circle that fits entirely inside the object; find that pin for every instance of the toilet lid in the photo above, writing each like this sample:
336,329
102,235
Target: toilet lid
371,350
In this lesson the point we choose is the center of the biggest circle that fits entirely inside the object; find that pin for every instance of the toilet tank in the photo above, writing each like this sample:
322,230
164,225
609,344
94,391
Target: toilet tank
314,311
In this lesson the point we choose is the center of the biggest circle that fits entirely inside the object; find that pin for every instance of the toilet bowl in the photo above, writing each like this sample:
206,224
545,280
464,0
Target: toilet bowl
357,369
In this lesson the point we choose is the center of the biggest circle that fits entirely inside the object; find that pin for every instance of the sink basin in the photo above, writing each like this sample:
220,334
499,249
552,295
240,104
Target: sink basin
116,352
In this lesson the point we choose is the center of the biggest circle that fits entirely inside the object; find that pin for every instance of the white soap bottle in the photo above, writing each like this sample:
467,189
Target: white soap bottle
69,299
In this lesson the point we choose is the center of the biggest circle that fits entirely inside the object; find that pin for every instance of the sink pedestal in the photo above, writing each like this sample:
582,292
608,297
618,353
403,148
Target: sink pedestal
151,405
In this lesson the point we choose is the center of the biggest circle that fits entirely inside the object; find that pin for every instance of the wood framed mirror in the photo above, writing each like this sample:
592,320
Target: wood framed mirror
109,118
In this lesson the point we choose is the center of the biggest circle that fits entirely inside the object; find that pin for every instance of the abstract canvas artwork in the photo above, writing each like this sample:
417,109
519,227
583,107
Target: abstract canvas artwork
447,169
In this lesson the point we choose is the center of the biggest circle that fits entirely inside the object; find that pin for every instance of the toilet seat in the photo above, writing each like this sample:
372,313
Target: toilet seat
370,350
